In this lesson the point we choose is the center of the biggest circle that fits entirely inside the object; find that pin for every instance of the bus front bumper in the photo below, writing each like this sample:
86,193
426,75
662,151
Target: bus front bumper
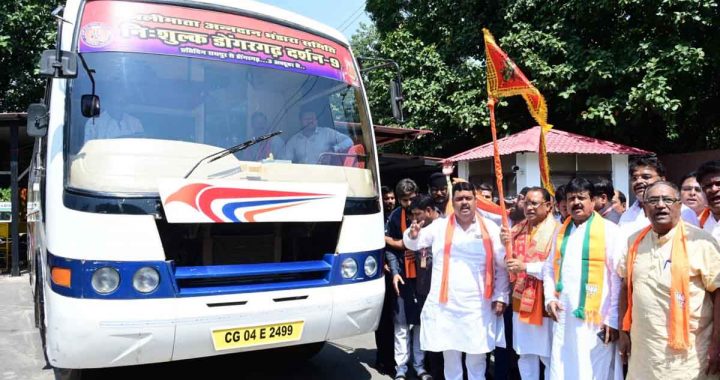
93,333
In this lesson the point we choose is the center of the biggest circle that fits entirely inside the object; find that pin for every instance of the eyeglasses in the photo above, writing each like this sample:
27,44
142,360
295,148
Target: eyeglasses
533,204
654,201
691,188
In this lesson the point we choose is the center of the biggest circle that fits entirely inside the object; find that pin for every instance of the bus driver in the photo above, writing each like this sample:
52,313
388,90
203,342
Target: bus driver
308,145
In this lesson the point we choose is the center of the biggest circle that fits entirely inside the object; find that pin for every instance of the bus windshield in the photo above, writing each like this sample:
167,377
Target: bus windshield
160,114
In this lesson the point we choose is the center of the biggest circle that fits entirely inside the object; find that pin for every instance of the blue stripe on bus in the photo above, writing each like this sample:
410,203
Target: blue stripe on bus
216,271
326,273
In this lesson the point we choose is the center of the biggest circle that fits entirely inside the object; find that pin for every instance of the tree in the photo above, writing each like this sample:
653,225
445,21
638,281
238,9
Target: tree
640,72
439,97
26,29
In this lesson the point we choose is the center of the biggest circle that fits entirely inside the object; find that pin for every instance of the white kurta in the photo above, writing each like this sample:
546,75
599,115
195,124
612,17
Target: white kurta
712,226
466,323
577,352
532,339
634,219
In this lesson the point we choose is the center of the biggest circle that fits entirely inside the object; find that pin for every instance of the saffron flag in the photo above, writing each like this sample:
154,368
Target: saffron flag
504,79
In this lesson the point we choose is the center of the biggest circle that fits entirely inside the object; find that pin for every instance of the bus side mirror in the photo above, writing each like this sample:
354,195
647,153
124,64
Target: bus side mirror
90,105
65,67
396,100
38,120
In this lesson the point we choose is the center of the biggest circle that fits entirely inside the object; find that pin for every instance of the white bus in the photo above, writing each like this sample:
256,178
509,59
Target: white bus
204,181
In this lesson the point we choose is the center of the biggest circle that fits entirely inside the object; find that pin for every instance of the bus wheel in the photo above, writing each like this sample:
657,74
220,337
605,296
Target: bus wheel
40,313
67,374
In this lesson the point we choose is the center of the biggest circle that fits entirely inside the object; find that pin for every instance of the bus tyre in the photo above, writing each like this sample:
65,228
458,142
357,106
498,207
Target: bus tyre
36,302
67,374
40,308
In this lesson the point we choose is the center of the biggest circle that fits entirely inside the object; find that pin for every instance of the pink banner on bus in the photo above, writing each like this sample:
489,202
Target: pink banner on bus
172,30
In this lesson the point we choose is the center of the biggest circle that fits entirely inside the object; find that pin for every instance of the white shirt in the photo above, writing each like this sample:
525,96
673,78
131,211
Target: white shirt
713,227
107,127
302,149
466,322
489,216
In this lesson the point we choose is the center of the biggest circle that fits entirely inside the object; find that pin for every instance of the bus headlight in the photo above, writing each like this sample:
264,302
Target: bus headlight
146,279
349,268
105,280
371,266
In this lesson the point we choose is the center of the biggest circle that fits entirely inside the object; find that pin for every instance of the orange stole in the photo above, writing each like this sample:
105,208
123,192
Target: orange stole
704,215
679,318
489,258
409,255
527,298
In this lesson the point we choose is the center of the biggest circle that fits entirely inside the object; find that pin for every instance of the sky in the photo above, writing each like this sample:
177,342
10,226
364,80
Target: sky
343,15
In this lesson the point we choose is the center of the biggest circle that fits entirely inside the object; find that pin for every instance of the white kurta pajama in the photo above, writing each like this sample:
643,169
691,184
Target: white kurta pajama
532,342
712,226
466,322
577,352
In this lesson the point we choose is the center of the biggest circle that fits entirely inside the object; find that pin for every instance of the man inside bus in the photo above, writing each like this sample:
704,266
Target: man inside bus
113,121
312,144
259,126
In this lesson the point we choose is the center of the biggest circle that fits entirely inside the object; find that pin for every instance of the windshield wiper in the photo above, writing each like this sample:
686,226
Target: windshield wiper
233,149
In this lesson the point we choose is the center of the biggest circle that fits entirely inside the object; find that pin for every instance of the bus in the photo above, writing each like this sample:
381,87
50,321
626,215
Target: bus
204,181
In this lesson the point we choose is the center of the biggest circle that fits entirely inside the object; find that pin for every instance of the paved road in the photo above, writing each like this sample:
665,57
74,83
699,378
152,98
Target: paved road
21,354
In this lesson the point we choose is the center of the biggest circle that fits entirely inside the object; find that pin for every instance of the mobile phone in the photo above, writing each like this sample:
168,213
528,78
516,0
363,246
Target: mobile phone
601,335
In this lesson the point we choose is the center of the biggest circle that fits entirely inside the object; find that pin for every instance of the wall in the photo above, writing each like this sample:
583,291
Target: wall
563,167
678,165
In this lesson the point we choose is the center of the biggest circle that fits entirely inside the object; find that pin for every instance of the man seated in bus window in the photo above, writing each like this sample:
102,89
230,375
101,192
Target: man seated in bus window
312,142
113,121
259,126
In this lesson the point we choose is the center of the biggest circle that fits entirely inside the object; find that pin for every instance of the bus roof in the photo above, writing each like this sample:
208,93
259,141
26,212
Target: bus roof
250,7
272,13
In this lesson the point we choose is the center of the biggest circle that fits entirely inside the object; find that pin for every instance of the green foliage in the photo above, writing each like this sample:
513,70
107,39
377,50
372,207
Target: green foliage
439,97
638,72
26,29
5,194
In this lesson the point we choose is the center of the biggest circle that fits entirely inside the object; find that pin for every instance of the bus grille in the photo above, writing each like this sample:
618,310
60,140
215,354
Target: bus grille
247,278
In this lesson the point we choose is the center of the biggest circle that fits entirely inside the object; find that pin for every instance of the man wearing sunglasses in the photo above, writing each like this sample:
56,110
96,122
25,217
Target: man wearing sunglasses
532,240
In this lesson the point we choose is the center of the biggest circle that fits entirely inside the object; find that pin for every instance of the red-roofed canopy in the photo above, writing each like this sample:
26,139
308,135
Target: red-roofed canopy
557,142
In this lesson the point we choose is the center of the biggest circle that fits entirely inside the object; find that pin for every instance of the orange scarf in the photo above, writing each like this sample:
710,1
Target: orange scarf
679,329
704,215
531,246
489,263
409,255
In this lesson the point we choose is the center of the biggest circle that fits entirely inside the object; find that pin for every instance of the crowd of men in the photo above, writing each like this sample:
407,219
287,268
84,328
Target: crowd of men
581,286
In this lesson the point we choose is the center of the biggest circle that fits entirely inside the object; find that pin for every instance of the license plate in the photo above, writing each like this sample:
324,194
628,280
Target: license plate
257,335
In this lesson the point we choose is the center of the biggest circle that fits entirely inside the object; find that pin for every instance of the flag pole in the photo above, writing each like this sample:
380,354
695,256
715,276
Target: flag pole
499,175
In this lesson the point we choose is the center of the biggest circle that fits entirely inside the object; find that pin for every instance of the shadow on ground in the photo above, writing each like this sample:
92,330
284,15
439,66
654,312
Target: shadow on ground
335,361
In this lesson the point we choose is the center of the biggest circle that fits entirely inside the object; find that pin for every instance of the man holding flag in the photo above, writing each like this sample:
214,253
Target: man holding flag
531,240
582,290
